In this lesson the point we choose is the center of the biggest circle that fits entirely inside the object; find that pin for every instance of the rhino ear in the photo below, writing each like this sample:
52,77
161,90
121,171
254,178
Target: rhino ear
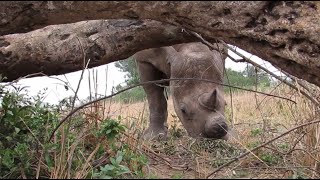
209,100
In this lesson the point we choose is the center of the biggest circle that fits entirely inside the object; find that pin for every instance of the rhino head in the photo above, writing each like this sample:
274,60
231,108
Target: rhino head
199,105
203,115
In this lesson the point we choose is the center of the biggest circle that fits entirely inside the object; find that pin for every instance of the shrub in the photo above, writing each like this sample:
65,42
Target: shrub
25,123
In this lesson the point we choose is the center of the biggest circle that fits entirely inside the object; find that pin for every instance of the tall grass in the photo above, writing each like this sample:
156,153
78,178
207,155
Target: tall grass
93,144
257,118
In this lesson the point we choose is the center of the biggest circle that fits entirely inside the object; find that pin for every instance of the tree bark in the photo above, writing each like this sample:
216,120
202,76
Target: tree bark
59,49
284,33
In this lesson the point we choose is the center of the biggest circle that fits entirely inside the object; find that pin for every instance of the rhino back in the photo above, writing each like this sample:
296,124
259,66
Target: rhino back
196,60
158,57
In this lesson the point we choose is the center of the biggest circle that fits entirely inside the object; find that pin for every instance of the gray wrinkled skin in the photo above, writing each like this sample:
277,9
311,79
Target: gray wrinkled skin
199,105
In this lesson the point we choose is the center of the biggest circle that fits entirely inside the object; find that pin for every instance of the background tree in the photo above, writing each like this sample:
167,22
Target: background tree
247,78
129,66
256,76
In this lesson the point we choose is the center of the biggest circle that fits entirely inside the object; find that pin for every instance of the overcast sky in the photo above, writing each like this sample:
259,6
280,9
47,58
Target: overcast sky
108,76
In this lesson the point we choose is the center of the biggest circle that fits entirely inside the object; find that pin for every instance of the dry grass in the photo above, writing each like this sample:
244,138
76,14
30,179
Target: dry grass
256,119
253,118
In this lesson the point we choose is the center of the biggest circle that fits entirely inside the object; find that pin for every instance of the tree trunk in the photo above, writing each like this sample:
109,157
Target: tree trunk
284,33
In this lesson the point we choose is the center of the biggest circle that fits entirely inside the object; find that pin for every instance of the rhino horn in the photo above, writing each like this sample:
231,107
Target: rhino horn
209,99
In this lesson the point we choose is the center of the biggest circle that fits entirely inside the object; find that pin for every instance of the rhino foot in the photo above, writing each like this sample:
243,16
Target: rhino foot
159,134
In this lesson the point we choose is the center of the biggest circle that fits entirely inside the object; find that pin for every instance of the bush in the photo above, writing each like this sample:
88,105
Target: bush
25,123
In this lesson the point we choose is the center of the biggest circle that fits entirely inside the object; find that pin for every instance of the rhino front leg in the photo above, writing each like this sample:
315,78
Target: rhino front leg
156,100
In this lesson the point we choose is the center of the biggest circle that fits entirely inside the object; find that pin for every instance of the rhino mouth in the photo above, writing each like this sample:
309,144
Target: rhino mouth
216,131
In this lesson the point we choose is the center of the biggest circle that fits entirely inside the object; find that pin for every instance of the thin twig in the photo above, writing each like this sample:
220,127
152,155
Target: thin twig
274,88
24,77
87,164
314,158
31,132
295,144
262,145
23,175
273,74
157,81
230,89
72,150
39,166
40,74
85,66
299,81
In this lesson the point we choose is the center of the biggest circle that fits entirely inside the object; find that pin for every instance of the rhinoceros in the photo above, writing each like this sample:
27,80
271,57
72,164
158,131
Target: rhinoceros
199,105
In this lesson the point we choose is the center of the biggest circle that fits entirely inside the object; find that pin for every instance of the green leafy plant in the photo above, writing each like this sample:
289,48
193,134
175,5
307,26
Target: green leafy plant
111,129
177,176
284,146
126,160
135,161
256,132
113,170
253,144
153,176
24,127
269,158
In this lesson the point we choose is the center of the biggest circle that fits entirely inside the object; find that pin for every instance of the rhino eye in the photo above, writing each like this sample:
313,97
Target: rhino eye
183,111
183,108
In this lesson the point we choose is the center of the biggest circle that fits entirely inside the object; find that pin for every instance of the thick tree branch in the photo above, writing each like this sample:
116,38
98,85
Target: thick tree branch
55,49
33,15
284,33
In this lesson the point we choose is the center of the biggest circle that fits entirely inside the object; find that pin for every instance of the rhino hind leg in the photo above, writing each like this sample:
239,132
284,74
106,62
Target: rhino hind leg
157,102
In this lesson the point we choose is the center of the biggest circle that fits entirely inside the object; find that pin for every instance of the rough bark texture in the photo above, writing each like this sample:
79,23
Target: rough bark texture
283,33
59,49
